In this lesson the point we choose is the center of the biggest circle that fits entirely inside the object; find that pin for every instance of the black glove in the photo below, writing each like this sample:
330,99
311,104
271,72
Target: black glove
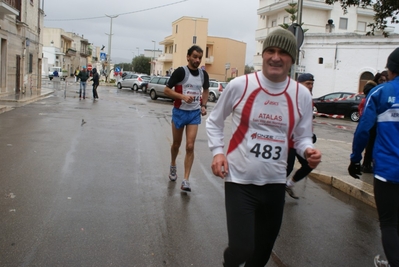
354,169
314,138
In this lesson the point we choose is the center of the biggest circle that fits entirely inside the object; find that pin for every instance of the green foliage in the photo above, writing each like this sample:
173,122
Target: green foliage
141,64
292,10
126,66
248,69
384,10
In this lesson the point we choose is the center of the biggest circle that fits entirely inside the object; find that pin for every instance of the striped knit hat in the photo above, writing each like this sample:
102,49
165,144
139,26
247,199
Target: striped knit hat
282,39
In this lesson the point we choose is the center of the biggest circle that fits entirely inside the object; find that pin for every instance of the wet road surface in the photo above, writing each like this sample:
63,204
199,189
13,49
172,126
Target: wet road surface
97,193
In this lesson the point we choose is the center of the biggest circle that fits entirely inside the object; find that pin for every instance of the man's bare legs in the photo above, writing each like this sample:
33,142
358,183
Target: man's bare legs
177,135
191,135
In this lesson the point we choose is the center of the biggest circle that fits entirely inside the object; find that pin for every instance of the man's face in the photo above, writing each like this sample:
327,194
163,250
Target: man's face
309,85
276,64
194,60
382,79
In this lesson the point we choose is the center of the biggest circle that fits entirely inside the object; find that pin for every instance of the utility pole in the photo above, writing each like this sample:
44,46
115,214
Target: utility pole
153,61
109,44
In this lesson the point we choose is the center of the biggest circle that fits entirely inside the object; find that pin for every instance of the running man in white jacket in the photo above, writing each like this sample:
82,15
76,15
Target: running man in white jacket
267,108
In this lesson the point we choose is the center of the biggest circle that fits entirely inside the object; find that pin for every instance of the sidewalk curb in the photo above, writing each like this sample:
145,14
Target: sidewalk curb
25,98
353,187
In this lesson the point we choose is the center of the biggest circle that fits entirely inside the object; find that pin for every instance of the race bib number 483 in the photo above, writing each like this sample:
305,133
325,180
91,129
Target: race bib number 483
266,147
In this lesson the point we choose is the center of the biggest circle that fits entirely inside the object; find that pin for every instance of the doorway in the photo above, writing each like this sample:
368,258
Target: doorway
366,76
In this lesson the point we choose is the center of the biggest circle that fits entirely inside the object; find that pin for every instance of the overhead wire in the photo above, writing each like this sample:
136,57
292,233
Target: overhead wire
121,14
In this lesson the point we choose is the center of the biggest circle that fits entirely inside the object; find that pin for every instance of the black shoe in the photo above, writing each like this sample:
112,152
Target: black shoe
290,192
367,169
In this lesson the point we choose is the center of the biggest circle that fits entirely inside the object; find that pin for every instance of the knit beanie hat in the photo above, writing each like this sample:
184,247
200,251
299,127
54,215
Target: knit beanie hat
393,61
283,39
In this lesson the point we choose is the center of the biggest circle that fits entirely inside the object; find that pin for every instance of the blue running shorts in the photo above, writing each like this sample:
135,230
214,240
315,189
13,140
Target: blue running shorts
182,118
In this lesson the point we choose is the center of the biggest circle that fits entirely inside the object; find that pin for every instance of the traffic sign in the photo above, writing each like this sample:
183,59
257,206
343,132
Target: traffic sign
297,30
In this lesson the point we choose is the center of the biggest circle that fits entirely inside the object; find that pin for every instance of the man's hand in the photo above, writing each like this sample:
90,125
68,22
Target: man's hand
188,99
354,170
313,157
203,110
220,167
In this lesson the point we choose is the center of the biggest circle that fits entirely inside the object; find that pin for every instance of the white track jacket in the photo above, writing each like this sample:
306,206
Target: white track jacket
264,117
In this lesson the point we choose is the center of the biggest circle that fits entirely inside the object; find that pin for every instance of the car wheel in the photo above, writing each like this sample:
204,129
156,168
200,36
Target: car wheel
211,97
119,85
135,87
153,95
354,116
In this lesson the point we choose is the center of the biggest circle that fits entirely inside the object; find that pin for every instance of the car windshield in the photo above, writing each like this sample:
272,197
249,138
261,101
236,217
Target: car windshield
223,85
146,78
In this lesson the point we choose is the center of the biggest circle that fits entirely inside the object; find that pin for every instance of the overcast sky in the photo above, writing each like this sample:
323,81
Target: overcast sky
151,20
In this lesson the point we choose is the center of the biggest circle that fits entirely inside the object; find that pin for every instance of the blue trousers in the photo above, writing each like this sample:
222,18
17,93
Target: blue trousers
82,88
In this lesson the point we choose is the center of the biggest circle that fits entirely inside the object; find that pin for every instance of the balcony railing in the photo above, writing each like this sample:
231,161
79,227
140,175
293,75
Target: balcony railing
70,52
10,7
166,58
12,3
209,60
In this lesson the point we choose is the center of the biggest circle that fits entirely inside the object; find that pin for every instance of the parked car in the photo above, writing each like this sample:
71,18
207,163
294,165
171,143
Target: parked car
62,74
134,81
215,89
339,103
144,84
156,87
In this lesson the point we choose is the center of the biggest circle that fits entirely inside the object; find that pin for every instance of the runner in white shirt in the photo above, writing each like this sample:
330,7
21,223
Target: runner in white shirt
267,108
190,96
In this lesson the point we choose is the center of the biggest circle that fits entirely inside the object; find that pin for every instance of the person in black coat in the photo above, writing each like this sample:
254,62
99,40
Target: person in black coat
96,82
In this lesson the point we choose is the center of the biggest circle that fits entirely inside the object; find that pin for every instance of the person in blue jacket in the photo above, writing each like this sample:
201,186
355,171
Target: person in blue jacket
382,108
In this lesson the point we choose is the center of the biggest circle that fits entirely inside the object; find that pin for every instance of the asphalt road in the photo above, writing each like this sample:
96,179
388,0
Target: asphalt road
85,183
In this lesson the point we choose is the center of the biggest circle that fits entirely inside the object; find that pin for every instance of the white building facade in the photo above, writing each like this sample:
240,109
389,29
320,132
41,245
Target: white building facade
335,49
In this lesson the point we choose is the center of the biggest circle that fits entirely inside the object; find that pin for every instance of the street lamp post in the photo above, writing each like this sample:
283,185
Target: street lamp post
153,61
138,51
109,44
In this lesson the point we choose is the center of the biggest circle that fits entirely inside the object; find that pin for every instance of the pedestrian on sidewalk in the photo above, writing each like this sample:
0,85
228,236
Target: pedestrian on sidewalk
382,108
77,74
96,82
379,78
267,108
189,104
306,79
83,76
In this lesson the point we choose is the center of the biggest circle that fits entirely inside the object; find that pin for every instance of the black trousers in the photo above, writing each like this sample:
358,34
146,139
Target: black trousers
95,95
254,216
368,153
301,172
387,200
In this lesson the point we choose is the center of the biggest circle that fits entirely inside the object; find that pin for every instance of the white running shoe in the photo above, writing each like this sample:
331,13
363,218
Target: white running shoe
185,186
380,263
173,173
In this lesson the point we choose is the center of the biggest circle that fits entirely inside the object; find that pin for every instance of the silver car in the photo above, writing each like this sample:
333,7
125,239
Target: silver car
215,89
134,81
156,87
